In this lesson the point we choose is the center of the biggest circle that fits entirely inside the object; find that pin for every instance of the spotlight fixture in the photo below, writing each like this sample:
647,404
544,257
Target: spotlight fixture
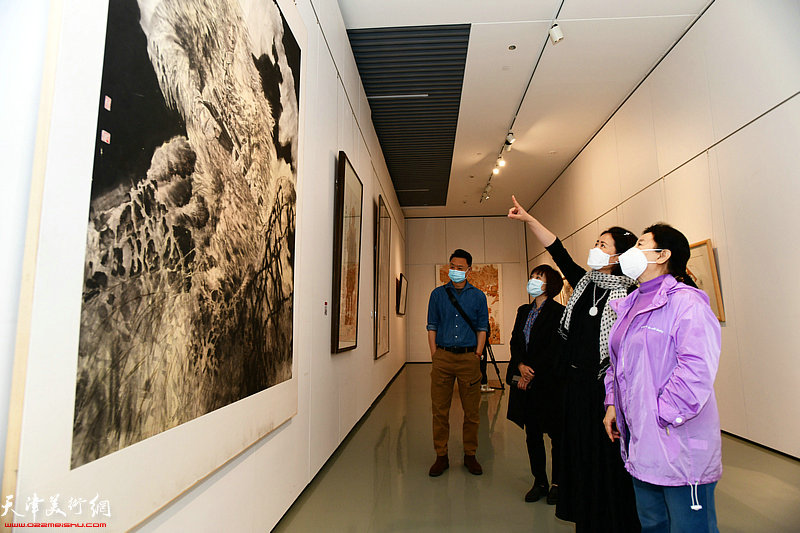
510,138
501,162
556,35
495,171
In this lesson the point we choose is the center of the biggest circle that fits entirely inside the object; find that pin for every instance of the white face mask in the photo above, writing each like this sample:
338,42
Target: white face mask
634,262
535,287
598,259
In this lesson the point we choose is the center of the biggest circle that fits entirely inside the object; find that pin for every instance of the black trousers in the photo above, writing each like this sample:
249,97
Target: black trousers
536,452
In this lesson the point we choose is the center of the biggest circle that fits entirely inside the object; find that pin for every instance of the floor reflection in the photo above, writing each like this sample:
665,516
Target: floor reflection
378,479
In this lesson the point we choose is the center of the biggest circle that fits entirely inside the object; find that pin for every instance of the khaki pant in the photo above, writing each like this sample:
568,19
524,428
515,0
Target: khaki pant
447,367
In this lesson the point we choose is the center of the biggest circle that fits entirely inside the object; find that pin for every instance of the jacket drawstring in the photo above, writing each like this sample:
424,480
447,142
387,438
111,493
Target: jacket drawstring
695,498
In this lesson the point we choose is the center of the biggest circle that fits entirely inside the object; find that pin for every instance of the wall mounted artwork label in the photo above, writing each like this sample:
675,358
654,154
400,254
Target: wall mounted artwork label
188,286
349,193
489,279
383,236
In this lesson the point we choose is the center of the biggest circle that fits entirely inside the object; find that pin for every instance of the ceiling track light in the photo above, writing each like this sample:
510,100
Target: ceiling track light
556,35
501,162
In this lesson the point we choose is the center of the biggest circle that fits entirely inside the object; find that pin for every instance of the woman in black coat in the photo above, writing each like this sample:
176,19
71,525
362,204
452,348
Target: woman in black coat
536,388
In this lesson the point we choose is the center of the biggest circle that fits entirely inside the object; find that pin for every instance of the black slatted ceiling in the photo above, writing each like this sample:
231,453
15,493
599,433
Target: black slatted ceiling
416,133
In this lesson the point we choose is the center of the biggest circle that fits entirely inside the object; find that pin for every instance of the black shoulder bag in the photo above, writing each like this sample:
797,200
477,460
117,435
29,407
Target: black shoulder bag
487,348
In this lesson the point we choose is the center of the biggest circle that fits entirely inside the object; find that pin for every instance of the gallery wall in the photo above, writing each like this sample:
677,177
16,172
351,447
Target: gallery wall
28,22
253,490
708,143
489,240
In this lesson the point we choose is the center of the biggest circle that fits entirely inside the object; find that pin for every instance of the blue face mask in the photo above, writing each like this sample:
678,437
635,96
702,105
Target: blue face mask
535,287
457,276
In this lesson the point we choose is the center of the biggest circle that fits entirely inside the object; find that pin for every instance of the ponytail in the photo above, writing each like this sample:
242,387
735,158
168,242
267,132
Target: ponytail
668,238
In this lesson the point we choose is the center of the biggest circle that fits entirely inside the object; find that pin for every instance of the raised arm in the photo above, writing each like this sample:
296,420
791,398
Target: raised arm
545,236
569,268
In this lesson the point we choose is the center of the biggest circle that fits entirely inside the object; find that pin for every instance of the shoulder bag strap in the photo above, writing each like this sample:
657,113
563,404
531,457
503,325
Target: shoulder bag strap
460,309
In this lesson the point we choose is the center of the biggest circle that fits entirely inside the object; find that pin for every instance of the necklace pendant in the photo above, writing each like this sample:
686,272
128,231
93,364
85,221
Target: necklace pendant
593,311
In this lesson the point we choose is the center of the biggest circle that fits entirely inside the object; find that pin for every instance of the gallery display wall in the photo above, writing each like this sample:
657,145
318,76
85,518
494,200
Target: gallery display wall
708,143
490,240
252,490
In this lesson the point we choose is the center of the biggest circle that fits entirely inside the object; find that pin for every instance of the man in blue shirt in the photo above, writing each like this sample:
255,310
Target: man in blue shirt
455,353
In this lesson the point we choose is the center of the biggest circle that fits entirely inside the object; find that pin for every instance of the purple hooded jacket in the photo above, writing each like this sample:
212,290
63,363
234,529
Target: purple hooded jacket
662,385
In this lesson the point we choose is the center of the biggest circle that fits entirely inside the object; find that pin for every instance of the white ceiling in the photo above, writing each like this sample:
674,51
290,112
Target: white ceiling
609,46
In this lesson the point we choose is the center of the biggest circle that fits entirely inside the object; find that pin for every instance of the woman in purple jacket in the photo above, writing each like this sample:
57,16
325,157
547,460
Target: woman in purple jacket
664,351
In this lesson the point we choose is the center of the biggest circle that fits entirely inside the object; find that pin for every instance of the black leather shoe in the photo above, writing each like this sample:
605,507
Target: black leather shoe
473,465
552,496
536,493
437,469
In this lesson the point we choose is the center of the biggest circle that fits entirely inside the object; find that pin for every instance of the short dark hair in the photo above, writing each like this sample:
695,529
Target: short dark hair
668,238
463,254
623,241
553,280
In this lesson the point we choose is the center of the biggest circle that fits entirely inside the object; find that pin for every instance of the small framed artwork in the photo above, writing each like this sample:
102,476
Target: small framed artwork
702,267
348,198
383,236
402,294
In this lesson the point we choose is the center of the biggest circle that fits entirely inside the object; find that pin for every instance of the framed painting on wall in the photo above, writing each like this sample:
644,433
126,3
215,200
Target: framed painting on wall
402,294
383,236
348,197
702,267
157,310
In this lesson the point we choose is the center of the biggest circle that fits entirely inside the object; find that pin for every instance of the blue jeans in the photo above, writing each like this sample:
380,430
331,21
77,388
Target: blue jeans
669,509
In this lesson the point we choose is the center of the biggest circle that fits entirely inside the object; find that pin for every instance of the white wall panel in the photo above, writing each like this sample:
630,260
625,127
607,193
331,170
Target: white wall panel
681,106
322,162
421,281
757,169
534,246
737,62
604,170
608,220
584,240
515,293
636,143
754,67
578,187
688,199
555,210
504,240
569,244
729,385
467,234
644,209
425,241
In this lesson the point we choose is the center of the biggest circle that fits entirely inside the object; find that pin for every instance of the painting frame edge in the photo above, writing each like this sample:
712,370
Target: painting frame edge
338,243
712,263
27,354
401,299
381,206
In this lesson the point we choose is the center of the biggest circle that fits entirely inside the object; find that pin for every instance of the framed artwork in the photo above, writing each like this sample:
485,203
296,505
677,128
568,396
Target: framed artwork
402,294
702,267
565,294
489,279
383,236
160,312
348,197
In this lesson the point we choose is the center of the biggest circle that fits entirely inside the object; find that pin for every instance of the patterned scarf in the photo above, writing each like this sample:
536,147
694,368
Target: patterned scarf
618,285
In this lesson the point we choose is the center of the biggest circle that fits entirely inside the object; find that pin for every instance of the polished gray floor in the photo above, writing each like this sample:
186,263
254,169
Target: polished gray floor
378,479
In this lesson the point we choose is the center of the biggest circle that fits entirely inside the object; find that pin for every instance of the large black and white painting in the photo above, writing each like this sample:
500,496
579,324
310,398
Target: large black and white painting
188,274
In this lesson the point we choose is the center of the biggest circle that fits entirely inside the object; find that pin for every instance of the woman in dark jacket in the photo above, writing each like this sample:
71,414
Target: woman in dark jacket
536,389
595,490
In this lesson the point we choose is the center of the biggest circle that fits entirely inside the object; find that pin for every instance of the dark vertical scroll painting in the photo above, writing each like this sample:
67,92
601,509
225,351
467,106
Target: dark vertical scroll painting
189,269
